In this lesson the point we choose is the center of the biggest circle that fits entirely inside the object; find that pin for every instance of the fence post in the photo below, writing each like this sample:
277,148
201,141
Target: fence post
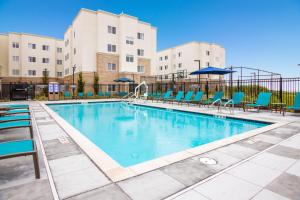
280,94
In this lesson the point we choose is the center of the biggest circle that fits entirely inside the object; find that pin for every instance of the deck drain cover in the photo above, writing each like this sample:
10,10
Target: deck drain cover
208,161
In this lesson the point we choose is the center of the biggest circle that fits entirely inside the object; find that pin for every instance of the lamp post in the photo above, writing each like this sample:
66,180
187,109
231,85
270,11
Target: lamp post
73,82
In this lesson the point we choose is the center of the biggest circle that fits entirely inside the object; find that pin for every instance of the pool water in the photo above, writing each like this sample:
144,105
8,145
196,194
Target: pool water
132,134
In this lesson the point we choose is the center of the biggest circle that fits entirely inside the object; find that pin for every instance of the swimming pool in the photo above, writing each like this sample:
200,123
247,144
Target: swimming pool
132,134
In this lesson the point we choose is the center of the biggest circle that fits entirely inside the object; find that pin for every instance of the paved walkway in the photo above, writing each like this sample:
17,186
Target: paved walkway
273,174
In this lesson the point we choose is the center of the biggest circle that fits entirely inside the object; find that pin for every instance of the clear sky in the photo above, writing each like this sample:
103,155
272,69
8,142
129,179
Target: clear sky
255,33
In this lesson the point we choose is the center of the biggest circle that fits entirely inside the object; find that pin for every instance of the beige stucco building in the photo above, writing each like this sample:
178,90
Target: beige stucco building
110,45
182,58
24,57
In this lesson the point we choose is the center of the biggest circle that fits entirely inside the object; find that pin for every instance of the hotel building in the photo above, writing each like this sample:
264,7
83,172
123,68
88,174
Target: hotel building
110,45
187,57
24,57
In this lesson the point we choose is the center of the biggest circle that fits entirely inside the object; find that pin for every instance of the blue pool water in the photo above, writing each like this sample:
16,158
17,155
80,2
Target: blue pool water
133,134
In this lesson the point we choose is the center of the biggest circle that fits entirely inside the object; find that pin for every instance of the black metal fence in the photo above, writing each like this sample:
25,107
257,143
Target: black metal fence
283,89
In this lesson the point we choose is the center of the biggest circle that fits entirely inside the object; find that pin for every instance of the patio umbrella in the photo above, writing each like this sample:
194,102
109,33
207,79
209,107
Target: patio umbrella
211,70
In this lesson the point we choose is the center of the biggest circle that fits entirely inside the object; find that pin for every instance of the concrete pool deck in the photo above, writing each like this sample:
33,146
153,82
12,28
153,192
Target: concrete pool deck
265,166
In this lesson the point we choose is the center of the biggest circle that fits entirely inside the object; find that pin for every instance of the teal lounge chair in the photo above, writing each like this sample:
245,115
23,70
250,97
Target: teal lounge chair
16,111
165,96
237,100
178,97
296,105
89,94
262,101
215,100
17,148
80,95
100,94
14,118
14,106
197,98
187,98
67,94
107,94
17,124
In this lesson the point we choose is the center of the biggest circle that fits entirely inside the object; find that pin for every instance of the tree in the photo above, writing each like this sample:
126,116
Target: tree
80,83
96,81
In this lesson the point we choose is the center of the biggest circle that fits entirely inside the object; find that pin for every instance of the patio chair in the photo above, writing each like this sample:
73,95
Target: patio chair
89,94
187,98
80,95
107,94
165,96
13,106
17,148
197,98
262,101
17,124
16,111
215,100
296,105
177,98
236,101
14,118
67,94
100,94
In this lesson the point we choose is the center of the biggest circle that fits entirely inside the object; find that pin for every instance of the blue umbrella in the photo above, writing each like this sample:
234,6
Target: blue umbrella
212,70
123,80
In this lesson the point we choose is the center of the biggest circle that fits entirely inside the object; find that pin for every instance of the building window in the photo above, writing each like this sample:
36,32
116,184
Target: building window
31,59
45,73
45,47
66,57
16,72
74,51
129,58
31,46
166,76
111,29
31,72
111,66
16,58
129,40
140,36
166,57
141,69
15,45
160,68
207,64
207,53
59,50
179,65
160,58
45,60
140,52
59,74
111,48
59,62
179,54
67,71
166,67
67,42
111,88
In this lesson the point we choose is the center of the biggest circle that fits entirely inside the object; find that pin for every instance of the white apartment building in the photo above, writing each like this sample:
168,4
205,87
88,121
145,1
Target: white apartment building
182,58
24,57
110,45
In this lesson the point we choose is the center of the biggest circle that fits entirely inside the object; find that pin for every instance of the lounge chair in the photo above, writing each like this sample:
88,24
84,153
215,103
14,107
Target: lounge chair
100,94
262,101
17,148
236,101
107,94
215,100
165,96
67,94
187,98
14,118
16,111
17,124
197,98
296,106
177,98
89,94
80,95
13,106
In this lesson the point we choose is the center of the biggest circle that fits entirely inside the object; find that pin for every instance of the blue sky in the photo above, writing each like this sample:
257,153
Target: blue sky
255,33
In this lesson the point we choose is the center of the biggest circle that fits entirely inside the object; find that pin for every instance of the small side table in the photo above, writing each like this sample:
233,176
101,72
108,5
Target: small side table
279,106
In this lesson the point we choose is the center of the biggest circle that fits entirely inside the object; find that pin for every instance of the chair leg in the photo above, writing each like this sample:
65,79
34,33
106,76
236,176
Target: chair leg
36,165
31,131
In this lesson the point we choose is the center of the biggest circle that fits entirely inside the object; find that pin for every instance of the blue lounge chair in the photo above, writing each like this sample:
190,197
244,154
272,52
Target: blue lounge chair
16,111
262,101
17,124
178,97
107,94
197,98
17,148
14,118
67,94
296,105
14,106
215,100
100,94
80,95
165,96
187,98
89,94
237,100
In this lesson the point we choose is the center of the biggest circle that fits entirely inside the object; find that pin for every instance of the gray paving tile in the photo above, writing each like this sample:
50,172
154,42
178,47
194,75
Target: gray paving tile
295,169
269,195
51,132
78,182
286,151
255,174
273,161
267,138
256,145
292,142
151,186
109,192
237,151
189,171
36,190
282,132
55,149
191,195
228,187
286,185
